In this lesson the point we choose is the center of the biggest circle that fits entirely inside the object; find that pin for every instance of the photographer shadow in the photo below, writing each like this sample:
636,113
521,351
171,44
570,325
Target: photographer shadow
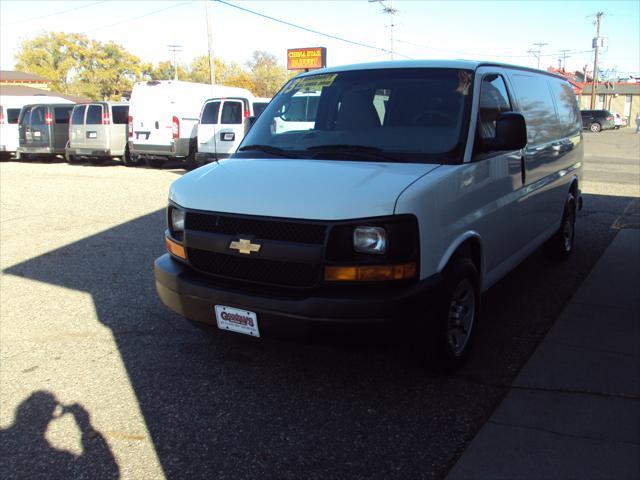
42,460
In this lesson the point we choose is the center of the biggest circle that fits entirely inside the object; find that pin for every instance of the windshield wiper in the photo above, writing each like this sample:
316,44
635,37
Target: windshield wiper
266,149
374,152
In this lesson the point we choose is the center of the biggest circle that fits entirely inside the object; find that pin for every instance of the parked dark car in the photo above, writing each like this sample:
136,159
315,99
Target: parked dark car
43,129
597,120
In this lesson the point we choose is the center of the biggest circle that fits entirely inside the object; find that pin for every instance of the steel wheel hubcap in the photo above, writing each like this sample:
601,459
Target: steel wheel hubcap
462,310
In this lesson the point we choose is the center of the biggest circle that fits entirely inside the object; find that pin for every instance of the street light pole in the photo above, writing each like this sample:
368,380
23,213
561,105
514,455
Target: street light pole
174,49
212,65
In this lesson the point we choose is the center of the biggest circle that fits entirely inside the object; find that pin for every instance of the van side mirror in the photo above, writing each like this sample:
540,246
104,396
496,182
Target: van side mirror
511,133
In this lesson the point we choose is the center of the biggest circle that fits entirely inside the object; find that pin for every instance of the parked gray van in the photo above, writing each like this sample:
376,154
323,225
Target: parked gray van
43,129
97,132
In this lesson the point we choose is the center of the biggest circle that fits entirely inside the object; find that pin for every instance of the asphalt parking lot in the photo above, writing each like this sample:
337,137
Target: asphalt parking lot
99,380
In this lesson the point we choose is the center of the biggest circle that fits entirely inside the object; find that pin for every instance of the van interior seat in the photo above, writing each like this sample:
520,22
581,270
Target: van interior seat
357,112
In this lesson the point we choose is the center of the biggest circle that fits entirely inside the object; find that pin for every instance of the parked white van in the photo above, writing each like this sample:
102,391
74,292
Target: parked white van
10,106
97,132
223,124
163,118
420,185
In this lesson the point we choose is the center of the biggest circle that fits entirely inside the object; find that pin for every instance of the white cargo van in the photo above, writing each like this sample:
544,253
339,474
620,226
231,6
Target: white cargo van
417,187
97,132
163,117
10,106
223,124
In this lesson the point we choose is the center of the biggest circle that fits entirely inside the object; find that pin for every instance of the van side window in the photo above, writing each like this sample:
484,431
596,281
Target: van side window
568,111
37,116
62,114
94,115
120,114
210,113
537,107
494,100
12,115
77,118
231,113
258,108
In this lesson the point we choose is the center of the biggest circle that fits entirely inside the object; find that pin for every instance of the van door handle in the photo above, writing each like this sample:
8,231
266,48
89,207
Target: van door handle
523,170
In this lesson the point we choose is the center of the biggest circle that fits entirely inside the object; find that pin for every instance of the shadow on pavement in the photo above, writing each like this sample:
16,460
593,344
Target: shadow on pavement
26,453
223,405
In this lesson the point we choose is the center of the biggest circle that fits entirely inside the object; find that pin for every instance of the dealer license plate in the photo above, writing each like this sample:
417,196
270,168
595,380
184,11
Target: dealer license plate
236,320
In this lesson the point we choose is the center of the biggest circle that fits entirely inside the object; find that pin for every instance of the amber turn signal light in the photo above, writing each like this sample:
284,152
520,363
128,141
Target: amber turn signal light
370,273
175,249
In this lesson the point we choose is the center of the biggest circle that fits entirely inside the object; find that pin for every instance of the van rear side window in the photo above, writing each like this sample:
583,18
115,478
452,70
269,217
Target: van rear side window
231,113
37,116
12,115
538,108
120,114
94,115
210,113
62,114
25,116
78,115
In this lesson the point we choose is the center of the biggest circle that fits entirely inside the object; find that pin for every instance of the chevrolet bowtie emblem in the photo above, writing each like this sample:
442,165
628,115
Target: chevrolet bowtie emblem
245,246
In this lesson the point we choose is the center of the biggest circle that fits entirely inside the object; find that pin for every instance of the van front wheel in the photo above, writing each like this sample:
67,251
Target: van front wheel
456,311
560,246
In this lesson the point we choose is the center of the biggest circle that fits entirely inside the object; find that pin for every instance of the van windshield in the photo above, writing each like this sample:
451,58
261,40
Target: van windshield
406,115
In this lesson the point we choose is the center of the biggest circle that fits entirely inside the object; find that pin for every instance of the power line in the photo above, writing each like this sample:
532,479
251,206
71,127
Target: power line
310,30
55,13
479,54
138,17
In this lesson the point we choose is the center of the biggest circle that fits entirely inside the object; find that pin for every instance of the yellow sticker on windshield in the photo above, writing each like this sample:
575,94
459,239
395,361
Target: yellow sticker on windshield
312,83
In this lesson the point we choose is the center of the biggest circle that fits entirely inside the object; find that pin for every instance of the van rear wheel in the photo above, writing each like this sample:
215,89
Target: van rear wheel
127,160
190,161
560,246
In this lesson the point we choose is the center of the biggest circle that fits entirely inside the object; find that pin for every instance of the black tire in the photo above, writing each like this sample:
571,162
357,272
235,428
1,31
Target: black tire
560,246
595,127
190,161
154,162
451,336
72,159
127,160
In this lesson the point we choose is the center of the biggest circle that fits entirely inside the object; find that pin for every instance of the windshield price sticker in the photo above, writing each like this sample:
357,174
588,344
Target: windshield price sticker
313,83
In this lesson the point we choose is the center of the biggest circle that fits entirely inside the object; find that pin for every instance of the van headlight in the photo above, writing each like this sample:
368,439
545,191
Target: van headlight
177,220
370,240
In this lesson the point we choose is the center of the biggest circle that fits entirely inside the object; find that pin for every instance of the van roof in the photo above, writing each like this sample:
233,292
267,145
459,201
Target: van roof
458,64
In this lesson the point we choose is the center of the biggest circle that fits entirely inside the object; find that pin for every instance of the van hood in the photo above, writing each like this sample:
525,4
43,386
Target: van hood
302,189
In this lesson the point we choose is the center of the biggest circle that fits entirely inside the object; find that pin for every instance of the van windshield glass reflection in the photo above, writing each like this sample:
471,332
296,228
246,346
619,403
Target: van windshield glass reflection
411,115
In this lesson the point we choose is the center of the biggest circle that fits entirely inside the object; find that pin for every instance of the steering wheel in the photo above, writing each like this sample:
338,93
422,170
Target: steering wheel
433,113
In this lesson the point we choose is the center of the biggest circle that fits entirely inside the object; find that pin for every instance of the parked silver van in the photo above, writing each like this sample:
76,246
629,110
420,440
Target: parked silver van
97,132
412,188
43,130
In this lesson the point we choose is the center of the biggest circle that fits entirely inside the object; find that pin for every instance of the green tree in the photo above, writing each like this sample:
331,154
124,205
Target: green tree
56,56
266,74
108,71
227,73
77,65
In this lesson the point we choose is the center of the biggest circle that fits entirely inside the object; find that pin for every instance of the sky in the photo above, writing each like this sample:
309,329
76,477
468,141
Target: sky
481,30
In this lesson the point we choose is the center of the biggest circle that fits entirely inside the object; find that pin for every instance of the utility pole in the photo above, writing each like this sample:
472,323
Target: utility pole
564,58
537,53
596,45
389,10
212,65
175,49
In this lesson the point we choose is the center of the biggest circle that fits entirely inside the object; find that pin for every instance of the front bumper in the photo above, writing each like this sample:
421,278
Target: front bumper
194,296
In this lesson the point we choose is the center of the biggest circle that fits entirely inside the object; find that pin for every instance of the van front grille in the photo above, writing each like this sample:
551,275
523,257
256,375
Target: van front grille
258,270
282,230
